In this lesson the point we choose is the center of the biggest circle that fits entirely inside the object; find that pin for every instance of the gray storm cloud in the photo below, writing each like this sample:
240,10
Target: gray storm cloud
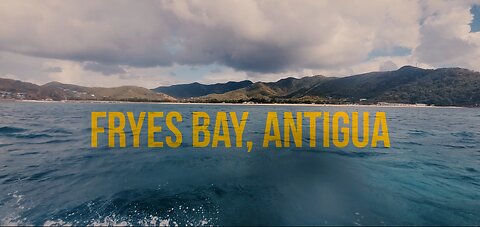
259,36
253,36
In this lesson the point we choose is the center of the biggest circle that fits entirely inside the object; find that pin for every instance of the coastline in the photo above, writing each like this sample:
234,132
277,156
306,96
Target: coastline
392,105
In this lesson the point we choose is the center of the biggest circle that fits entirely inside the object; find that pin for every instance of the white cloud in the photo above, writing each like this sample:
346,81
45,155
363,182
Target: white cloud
445,35
151,42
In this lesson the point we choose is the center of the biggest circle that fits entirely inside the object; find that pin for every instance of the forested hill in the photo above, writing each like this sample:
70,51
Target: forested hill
197,89
444,86
409,85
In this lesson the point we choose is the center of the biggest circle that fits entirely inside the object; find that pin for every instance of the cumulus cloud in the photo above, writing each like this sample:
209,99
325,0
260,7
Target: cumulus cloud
247,38
446,39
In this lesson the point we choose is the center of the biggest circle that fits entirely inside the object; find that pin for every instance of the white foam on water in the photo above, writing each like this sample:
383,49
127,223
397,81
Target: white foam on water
17,206
56,223
12,221
114,220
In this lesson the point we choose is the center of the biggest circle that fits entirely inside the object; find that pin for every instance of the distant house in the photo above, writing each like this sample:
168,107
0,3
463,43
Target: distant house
20,95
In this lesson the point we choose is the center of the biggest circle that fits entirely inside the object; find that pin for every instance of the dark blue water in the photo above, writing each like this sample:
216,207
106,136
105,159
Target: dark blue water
50,175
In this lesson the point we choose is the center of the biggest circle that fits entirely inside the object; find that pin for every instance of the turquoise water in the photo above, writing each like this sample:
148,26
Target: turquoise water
50,175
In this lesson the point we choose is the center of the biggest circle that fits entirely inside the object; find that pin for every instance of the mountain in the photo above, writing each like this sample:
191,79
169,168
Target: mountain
444,86
123,93
9,87
287,88
367,85
441,87
15,89
410,85
197,89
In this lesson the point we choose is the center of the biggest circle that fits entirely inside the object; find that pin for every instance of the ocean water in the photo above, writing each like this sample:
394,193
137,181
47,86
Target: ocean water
49,175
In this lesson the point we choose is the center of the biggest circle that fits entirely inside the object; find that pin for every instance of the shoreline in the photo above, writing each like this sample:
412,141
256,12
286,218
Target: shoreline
393,105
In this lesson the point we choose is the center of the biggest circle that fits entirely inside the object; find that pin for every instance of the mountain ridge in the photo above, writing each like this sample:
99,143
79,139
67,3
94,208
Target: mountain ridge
16,89
408,84
196,89
270,91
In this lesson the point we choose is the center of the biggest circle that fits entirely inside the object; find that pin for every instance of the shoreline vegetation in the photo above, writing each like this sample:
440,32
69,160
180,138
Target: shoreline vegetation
387,105
406,87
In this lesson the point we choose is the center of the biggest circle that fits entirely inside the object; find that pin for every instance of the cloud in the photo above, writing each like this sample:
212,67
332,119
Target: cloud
446,39
257,36
258,40
21,67
272,36
104,69
53,70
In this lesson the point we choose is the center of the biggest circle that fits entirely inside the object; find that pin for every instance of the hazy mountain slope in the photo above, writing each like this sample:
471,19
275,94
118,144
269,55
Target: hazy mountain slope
16,86
197,89
130,93
282,89
59,91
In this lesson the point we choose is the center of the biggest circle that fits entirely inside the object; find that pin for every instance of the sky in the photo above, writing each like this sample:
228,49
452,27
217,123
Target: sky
152,43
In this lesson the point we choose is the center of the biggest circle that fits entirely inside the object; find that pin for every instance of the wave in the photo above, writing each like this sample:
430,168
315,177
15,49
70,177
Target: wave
457,146
115,220
5,145
28,153
127,208
119,221
57,131
22,133
32,136
9,130
41,175
15,218
359,154
420,133
410,143
55,141
470,169
463,134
